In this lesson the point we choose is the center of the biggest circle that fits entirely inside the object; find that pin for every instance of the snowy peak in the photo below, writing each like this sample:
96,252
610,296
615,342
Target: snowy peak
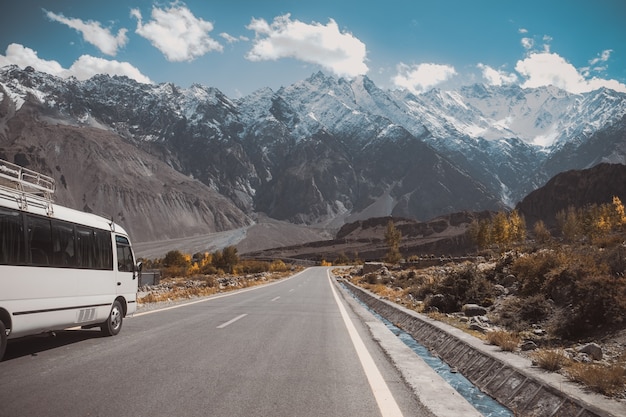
328,148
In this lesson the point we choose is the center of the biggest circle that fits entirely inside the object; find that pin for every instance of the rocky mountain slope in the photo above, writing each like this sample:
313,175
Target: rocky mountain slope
575,188
446,235
170,162
97,171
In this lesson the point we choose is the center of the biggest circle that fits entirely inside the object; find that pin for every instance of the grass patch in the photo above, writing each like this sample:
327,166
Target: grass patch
550,359
506,341
605,379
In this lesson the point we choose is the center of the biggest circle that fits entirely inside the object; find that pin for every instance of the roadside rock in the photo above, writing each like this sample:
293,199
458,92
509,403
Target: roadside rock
471,310
593,350
528,345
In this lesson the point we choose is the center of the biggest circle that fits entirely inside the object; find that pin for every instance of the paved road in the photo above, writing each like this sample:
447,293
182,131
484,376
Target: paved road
285,349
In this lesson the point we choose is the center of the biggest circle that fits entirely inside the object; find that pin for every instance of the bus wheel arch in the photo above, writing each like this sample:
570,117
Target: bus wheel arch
5,323
122,302
5,318
113,323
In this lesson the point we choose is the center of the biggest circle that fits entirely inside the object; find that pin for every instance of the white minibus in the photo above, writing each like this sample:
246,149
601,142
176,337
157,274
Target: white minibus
59,267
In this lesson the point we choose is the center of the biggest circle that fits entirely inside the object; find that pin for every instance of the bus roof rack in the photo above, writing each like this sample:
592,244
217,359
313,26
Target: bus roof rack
26,186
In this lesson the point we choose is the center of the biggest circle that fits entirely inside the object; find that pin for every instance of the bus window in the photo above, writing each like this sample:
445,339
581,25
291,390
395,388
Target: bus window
84,247
11,237
104,252
124,254
39,240
63,253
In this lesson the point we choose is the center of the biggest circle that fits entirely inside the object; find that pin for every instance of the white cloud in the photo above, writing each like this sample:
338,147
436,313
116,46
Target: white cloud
228,38
21,56
85,67
325,45
527,43
496,77
603,57
544,68
94,33
523,30
422,77
177,33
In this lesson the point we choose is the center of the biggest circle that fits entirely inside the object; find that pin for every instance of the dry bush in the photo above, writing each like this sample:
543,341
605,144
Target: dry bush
519,314
605,379
177,293
466,285
387,292
279,266
531,270
550,359
595,302
506,341
253,267
584,282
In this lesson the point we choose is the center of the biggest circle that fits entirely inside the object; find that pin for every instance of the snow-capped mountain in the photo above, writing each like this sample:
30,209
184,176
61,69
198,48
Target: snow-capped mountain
323,150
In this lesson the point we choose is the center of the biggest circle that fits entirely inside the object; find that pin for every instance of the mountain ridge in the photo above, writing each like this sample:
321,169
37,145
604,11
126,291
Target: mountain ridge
322,151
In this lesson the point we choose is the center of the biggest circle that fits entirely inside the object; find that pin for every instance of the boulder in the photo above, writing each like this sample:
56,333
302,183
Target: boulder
471,310
370,267
528,345
593,350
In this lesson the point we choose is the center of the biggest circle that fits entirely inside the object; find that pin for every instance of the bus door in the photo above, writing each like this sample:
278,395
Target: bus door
127,273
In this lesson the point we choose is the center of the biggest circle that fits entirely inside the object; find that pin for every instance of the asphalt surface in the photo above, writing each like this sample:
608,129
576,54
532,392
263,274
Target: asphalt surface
278,350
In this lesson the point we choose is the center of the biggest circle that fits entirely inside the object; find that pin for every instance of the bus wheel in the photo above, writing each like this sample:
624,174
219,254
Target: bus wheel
3,339
113,325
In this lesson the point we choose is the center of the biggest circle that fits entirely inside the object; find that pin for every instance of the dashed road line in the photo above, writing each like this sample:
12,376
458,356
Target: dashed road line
229,322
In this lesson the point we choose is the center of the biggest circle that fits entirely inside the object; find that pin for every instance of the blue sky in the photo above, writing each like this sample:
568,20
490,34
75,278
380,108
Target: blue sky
239,46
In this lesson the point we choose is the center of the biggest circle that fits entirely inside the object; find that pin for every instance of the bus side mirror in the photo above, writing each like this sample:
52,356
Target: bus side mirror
137,270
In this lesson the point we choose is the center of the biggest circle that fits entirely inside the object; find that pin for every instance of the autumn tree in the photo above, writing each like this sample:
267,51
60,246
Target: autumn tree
541,232
593,222
570,224
500,230
392,238
517,226
619,213
175,258
503,229
480,232
226,259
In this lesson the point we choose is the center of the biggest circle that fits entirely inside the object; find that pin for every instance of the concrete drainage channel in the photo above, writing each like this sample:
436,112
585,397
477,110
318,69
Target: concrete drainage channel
508,378
484,404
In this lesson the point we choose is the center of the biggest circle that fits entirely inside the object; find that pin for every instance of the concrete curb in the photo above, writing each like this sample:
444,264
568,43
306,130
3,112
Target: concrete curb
433,392
509,378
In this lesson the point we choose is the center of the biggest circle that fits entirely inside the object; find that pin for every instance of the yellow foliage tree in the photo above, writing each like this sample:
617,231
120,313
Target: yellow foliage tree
541,232
392,238
619,212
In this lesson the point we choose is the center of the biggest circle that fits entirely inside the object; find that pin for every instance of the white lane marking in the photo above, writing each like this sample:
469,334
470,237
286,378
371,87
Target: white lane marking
275,298
239,317
386,403
291,290
215,297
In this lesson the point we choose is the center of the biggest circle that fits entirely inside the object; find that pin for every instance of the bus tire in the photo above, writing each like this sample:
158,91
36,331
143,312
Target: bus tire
113,325
3,339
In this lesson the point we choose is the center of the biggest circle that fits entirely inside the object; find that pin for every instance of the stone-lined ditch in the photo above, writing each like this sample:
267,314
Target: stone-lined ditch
506,377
